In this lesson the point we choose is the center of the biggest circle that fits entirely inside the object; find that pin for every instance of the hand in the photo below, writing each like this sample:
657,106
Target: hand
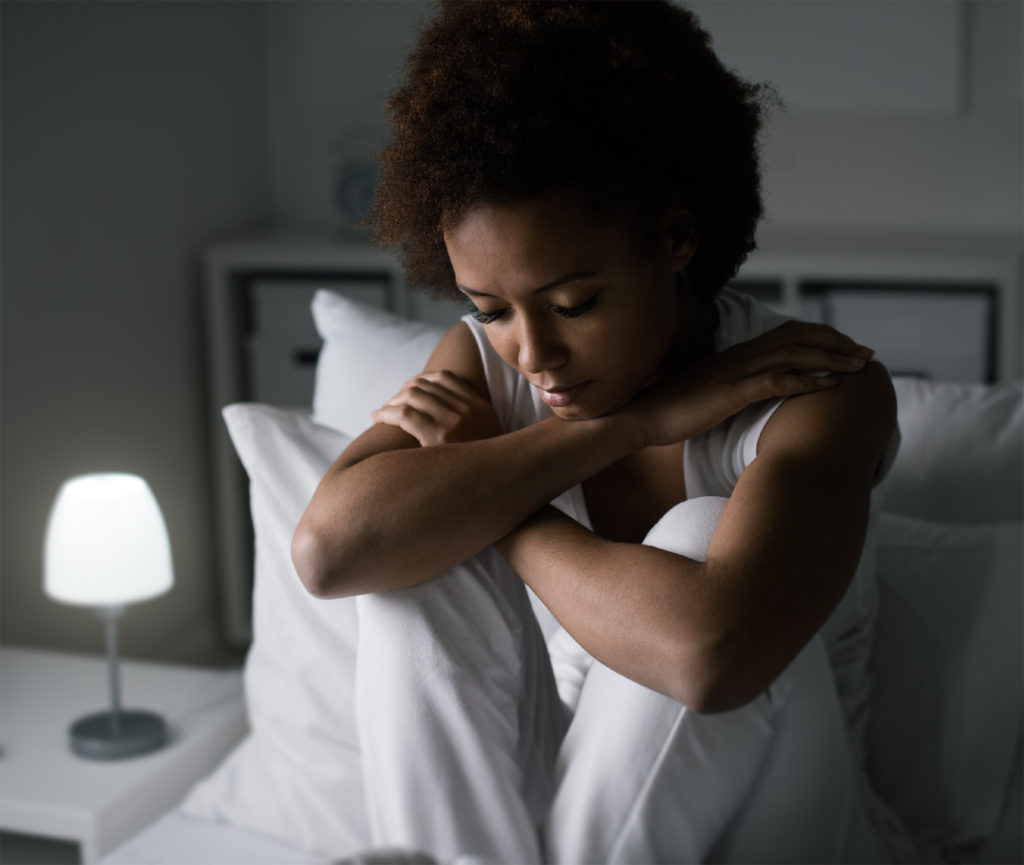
439,408
775,364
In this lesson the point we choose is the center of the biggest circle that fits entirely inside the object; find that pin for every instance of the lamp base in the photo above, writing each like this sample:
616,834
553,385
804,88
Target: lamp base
105,737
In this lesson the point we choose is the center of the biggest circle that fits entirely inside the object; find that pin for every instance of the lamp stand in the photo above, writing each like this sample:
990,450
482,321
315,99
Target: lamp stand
118,733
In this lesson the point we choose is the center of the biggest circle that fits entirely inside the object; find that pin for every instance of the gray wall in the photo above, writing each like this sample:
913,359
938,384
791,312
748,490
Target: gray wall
330,66
133,133
837,169
922,169
136,133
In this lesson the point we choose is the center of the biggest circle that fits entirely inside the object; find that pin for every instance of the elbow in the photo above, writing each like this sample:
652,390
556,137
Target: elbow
312,559
716,680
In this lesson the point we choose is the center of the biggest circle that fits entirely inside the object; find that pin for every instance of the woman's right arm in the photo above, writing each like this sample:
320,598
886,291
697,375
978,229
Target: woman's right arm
434,481
391,513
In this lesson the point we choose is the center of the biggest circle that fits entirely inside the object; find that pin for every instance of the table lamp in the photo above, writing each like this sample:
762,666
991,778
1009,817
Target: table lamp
107,546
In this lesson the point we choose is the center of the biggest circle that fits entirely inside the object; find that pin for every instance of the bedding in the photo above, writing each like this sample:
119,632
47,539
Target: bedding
347,387
944,743
962,456
297,776
179,839
948,668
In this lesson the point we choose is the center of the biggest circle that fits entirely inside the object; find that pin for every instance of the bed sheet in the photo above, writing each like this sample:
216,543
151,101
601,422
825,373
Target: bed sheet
177,839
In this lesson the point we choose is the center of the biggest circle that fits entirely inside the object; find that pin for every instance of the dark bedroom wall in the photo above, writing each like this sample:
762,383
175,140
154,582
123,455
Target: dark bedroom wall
871,142
136,133
330,68
834,161
133,133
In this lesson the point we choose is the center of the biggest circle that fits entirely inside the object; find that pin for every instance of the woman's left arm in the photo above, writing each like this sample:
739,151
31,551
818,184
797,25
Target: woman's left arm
715,634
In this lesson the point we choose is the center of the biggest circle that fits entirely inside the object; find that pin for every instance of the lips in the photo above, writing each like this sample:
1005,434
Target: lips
559,397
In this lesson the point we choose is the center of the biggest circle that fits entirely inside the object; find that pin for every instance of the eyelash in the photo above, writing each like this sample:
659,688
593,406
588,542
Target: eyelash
485,317
565,312
576,311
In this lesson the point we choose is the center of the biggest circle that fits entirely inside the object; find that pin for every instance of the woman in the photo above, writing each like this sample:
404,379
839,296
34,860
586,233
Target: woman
585,176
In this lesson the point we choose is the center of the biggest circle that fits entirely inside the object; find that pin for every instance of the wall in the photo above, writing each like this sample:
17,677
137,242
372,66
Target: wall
839,169
920,170
903,125
330,67
136,133
133,133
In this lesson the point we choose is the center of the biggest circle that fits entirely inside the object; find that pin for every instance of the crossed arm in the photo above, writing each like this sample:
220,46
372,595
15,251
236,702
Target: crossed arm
392,513
715,634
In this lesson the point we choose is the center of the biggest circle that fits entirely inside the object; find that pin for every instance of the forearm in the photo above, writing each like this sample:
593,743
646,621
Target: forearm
712,634
643,611
402,517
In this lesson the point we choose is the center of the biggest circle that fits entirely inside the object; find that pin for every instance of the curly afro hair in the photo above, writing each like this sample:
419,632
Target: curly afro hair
622,101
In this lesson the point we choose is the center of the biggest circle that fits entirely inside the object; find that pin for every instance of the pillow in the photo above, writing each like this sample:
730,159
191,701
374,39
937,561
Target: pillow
962,456
297,776
948,669
368,354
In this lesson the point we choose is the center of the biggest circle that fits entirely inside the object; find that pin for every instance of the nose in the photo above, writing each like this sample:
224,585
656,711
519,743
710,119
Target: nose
540,347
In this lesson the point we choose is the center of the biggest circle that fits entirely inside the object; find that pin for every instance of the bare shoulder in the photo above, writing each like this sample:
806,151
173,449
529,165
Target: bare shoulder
852,422
457,352
793,531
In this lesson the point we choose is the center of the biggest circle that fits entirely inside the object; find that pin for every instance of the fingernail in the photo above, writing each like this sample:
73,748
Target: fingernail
856,361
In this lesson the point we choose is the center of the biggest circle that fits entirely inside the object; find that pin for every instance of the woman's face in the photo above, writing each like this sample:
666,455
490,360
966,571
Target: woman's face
581,308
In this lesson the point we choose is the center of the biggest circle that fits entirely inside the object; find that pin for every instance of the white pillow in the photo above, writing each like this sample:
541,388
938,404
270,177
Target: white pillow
948,670
297,776
368,354
962,455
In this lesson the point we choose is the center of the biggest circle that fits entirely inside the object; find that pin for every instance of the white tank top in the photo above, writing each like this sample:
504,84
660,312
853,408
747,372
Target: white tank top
712,465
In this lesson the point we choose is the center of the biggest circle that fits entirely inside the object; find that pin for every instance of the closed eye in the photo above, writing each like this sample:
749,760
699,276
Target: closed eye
564,311
485,317
574,311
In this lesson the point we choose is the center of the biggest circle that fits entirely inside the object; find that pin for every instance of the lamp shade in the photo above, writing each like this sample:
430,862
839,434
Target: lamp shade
106,542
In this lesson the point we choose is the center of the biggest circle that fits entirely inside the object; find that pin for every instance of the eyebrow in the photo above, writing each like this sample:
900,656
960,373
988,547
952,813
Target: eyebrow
562,280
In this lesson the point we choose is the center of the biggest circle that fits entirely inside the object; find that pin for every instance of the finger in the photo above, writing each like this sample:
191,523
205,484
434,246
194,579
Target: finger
457,400
421,426
424,394
453,381
440,407
795,335
446,386
801,357
780,384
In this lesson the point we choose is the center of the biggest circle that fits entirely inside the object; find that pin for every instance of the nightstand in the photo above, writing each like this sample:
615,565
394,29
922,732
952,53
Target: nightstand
48,791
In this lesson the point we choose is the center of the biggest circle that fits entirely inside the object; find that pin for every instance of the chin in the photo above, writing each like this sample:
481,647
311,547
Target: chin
587,411
575,412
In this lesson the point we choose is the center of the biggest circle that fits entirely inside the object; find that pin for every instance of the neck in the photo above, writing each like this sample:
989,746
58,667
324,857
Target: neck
695,333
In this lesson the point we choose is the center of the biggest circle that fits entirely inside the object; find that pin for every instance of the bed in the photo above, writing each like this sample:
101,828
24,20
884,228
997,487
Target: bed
944,743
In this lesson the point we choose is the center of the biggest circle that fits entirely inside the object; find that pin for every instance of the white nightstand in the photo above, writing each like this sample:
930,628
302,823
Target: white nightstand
48,791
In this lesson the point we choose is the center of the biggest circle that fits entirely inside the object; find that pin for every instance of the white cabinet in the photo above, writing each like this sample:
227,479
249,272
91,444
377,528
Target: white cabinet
50,792
930,307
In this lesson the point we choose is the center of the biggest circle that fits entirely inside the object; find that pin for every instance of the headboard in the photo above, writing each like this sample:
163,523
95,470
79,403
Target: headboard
927,309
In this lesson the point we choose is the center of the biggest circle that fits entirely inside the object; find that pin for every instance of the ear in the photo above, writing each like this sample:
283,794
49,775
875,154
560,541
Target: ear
684,237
